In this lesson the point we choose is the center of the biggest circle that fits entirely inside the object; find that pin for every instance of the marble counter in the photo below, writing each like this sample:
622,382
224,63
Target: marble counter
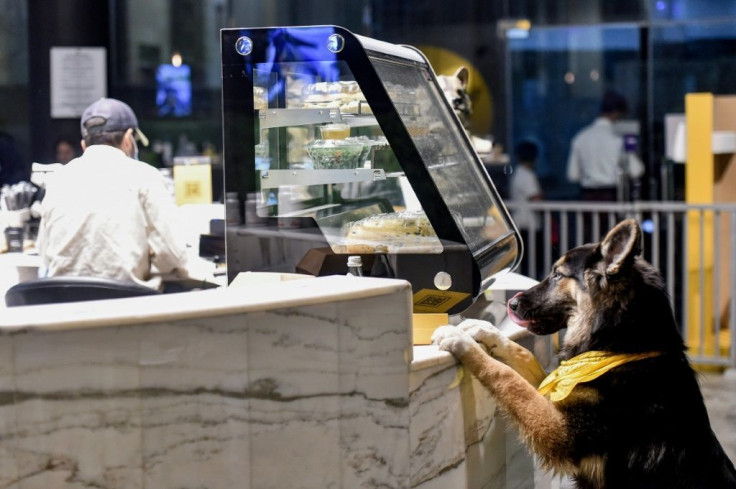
300,384
458,437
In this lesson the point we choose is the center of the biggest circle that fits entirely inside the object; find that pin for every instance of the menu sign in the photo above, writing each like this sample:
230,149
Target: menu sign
78,78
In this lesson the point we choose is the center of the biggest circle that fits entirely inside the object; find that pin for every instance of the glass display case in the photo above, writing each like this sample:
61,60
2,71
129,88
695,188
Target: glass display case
337,144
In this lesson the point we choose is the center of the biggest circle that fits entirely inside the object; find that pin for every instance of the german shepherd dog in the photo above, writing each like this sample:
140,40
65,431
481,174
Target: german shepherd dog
624,410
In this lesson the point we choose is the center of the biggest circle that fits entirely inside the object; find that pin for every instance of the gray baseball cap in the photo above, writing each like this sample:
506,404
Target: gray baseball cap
110,115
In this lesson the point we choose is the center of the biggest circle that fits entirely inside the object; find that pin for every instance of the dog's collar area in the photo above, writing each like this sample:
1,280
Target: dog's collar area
584,368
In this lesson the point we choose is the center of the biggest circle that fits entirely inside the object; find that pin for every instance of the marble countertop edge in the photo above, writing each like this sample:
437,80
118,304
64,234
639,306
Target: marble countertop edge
197,304
427,356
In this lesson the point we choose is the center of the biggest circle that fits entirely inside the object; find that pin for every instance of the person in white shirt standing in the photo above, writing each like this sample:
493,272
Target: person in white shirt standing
597,154
524,187
108,215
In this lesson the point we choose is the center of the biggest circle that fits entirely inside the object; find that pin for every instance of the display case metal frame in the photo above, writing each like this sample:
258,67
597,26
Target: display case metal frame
475,265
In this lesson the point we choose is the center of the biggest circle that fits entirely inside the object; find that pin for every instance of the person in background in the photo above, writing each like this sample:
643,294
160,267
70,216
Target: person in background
64,151
108,215
596,153
525,188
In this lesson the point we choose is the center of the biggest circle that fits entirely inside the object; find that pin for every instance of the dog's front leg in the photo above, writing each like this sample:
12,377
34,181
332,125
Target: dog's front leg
540,422
505,350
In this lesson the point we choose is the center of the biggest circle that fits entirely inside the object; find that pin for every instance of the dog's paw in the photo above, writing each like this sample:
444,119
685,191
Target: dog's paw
487,334
454,340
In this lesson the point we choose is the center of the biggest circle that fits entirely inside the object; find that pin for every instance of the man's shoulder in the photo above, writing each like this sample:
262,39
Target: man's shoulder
586,130
595,131
142,166
522,176
102,154
520,172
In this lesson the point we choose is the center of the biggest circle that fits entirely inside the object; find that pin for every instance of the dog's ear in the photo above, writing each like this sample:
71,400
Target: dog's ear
463,74
621,245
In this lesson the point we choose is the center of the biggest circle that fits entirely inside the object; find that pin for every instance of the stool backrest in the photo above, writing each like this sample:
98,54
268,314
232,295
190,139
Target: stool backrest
72,289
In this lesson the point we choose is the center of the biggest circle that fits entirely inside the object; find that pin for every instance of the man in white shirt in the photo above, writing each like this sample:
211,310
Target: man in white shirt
597,154
106,214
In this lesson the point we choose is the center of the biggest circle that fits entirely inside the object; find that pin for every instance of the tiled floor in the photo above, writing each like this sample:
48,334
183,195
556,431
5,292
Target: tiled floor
719,391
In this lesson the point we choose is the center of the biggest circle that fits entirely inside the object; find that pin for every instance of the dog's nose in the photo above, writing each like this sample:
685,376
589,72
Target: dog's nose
514,302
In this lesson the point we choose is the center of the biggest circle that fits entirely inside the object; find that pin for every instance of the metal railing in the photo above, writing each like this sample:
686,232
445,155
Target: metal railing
693,246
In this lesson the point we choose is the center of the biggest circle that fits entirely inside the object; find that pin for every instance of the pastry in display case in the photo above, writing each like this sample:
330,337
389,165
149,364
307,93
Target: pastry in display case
345,144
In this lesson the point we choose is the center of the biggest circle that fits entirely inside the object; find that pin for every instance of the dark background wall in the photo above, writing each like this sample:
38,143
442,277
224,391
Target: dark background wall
63,24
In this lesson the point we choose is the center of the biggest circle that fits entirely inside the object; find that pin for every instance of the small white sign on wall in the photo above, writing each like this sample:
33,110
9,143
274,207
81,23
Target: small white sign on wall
78,78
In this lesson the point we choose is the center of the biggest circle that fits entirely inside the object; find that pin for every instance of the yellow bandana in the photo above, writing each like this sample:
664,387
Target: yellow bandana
583,368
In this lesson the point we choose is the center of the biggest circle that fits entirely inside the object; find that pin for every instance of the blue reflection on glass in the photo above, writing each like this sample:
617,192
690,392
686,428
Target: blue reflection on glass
244,46
299,53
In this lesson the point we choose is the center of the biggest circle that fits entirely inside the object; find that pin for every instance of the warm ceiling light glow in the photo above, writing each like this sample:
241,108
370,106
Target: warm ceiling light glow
569,77
176,59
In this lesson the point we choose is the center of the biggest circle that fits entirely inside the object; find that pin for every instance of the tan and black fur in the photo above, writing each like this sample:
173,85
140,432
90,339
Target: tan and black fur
640,425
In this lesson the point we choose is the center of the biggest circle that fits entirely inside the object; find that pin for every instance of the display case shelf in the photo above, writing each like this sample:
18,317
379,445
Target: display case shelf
359,120
277,178
273,118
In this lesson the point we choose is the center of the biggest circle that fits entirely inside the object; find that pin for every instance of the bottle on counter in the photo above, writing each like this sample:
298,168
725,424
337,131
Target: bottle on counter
288,203
355,266
14,239
251,206
232,208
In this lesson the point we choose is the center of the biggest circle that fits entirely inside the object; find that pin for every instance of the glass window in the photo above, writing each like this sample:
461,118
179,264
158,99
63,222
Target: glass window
690,10
559,75
14,120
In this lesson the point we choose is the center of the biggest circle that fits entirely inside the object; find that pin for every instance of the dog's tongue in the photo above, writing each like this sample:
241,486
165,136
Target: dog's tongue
521,322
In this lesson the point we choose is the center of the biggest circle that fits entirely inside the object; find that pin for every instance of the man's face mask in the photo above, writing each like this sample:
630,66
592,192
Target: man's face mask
135,147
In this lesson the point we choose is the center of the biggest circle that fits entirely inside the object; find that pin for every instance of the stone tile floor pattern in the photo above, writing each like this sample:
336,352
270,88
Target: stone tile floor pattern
719,391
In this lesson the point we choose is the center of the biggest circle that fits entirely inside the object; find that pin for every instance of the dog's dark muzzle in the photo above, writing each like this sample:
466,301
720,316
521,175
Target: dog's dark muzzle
512,309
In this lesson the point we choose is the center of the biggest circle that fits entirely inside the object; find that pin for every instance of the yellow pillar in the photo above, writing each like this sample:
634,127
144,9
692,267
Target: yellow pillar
699,189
